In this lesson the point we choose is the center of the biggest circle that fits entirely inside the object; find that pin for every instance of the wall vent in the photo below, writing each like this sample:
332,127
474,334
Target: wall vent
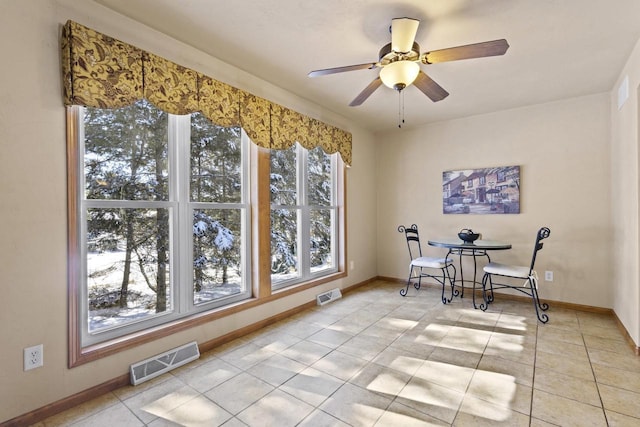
329,296
164,362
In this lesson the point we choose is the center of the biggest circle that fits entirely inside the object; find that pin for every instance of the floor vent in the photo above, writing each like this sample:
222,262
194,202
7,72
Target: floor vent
161,363
329,296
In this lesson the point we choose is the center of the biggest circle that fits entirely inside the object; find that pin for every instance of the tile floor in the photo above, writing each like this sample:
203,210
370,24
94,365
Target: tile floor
375,358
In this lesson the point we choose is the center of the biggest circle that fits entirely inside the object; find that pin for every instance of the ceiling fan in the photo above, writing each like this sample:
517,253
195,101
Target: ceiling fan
399,61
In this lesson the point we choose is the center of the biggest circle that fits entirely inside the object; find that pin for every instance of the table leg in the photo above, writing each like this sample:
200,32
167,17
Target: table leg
461,273
475,278
454,291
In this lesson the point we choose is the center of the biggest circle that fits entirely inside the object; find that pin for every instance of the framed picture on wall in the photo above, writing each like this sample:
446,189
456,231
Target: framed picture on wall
481,191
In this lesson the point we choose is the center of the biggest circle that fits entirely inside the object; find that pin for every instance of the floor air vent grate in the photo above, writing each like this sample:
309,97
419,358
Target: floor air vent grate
329,296
164,362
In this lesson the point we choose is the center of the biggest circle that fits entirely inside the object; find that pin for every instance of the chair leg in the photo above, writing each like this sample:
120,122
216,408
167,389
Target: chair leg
444,282
454,291
446,276
419,284
403,292
489,297
542,317
485,299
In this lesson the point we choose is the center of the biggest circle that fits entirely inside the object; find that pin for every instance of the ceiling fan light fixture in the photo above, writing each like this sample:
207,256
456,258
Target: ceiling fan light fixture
400,74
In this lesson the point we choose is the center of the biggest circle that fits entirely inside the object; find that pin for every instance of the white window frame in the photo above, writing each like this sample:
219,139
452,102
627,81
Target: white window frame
304,220
181,234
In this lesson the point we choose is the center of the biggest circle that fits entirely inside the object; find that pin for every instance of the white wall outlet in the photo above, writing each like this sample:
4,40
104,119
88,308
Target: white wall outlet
33,357
548,276
352,265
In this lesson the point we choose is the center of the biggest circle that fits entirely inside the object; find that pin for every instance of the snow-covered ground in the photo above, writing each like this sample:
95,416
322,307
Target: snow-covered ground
104,280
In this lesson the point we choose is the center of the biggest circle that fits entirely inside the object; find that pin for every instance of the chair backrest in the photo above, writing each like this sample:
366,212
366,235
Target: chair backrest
543,233
413,240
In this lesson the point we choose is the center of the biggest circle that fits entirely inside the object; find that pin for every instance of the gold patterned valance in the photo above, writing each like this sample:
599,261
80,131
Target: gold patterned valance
218,101
289,127
170,87
255,119
100,71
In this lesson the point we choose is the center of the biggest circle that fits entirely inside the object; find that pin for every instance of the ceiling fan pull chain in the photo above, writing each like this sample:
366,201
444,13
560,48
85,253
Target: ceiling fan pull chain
402,95
399,110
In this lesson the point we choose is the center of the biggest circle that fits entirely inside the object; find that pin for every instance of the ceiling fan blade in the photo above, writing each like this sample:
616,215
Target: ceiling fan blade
430,88
403,34
477,50
362,96
335,70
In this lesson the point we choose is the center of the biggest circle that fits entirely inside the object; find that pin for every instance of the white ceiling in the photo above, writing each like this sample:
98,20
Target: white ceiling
558,48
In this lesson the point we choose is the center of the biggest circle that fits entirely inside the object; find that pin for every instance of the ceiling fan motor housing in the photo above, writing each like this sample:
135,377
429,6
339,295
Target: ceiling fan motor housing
388,55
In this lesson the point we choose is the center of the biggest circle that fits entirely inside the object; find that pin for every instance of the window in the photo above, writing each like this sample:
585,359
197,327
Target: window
163,218
217,206
303,215
161,224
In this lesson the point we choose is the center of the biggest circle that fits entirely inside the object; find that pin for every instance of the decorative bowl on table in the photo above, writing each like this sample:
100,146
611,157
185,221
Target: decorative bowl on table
468,236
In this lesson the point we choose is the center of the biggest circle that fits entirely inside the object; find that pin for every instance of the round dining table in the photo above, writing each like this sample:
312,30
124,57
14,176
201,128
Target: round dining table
479,248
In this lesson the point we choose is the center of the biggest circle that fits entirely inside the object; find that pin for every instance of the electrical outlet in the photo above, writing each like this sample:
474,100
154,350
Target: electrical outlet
548,276
351,265
33,357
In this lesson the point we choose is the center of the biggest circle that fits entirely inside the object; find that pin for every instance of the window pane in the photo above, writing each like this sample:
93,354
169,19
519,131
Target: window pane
321,240
127,265
319,178
217,261
126,153
216,162
284,241
284,177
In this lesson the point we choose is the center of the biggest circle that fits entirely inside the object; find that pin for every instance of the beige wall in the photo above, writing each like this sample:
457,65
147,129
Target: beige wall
563,151
624,190
33,216
579,162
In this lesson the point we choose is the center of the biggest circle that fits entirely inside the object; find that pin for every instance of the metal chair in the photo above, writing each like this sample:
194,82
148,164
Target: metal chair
529,287
421,266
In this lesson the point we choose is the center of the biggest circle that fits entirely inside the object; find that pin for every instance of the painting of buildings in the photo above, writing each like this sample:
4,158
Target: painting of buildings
481,191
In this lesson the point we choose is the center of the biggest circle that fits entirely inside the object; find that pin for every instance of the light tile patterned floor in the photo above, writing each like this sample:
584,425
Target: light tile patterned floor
375,358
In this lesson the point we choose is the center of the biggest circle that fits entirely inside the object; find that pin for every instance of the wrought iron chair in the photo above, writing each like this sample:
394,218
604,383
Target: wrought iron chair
528,274
422,266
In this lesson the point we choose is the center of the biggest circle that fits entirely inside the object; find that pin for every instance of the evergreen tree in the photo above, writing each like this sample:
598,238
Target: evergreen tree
284,192
319,190
126,159
216,166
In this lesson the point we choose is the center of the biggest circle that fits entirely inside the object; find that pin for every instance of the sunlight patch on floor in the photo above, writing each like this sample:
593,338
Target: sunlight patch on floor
466,339
493,387
489,395
405,364
447,375
506,343
162,406
387,383
433,334
513,322
440,387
